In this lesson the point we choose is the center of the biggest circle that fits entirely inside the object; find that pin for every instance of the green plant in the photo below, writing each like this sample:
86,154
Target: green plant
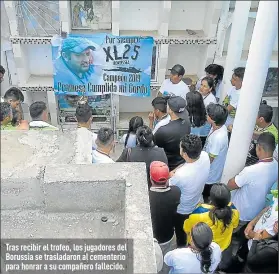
274,192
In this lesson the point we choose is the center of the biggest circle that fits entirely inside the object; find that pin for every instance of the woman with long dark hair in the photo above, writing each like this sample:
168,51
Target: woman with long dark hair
145,151
130,139
215,72
202,256
207,88
221,216
197,113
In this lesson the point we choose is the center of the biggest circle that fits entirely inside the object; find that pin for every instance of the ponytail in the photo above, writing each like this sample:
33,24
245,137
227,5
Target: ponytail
220,197
202,237
206,259
134,124
127,138
145,136
222,214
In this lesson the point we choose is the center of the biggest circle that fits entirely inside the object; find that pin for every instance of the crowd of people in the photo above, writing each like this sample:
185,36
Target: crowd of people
200,224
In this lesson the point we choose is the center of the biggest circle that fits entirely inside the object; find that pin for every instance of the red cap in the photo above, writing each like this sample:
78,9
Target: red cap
159,172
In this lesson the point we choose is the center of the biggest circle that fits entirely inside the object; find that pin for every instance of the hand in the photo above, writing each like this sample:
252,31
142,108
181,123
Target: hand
248,230
151,116
258,235
230,127
275,227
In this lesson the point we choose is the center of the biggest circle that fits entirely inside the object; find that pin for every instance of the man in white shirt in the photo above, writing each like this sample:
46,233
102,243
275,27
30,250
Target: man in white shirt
232,98
175,86
159,116
190,177
39,114
254,182
85,137
251,186
263,222
105,144
216,145
84,118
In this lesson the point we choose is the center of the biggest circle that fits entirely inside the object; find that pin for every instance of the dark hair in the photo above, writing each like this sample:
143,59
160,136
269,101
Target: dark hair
220,197
145,136
267,141
202,238
5,110
134,124
2,70
217,113
36,109
105,136
83,113
192,145
14,94
266,112
196,108
160,103
215,69
211,83
239,72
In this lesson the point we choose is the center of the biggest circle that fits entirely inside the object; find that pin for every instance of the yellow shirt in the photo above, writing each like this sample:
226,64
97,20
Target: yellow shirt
271,129
201,214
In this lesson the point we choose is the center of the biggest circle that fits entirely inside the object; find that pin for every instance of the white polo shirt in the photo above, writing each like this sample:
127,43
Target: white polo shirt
208,99
191,178
217,88
233,95
100,158
184,260
266,222
217,144
180,89
254,184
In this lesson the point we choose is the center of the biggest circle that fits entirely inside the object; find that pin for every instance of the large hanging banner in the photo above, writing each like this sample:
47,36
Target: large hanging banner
99,64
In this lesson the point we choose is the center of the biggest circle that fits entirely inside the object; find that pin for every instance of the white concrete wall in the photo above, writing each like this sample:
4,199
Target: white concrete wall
187,15
139,15
186,55
248,37
38,55
136,104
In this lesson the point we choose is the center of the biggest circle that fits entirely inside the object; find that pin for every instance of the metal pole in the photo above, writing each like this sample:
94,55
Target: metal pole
262,43
236,41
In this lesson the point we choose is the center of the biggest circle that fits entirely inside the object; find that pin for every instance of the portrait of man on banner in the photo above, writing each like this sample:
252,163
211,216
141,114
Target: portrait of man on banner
75,65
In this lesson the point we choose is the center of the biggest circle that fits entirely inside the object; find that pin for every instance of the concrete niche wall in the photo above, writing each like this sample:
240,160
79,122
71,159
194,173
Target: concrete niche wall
139,15
187,15
187,56
36,55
